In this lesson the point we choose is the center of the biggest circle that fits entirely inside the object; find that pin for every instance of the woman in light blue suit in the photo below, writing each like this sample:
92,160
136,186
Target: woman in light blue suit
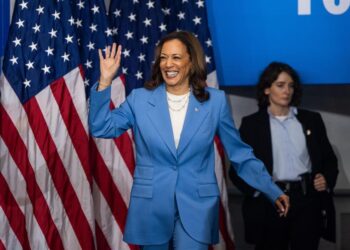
175,195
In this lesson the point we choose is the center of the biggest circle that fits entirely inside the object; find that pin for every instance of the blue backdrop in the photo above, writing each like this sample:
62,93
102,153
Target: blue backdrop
250,34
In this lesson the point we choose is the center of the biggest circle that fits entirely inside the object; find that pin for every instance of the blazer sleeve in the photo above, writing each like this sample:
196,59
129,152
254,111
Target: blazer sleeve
329,160
106,123
241,156
236,180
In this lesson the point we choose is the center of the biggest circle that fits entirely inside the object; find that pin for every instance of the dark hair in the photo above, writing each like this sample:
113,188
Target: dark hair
198,72
269,75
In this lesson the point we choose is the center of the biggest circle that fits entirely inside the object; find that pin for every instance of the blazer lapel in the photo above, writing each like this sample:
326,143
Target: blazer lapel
159,115
196,113
265,131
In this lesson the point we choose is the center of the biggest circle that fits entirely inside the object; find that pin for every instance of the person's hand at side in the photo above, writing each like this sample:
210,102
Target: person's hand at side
320,183
109,65
282,204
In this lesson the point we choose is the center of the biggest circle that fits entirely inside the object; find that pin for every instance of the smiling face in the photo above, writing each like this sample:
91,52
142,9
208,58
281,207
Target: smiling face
175,64
281,91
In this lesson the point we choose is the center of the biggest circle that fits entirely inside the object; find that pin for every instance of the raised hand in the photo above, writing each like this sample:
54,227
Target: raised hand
109,65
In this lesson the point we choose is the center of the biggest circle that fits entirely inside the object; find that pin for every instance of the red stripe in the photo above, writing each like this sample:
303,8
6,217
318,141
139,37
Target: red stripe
223,228
2,246
14,214
107,187
19,153
101,240
59,175
74,125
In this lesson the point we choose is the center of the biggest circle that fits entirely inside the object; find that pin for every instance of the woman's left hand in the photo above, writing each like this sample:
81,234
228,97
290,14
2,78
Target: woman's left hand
320,182
282,204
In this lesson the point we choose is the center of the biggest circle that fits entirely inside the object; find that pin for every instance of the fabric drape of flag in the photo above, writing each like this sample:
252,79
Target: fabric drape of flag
61,189
46,199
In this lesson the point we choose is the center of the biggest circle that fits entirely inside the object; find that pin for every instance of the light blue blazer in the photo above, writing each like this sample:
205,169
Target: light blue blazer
166,177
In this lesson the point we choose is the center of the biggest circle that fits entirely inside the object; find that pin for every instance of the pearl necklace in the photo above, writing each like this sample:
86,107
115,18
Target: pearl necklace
178,104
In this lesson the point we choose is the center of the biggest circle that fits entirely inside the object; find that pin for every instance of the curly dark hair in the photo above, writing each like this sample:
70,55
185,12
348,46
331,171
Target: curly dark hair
198,72
269,75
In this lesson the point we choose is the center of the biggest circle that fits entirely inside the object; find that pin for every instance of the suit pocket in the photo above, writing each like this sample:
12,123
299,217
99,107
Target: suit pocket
143,191
143,172
207,190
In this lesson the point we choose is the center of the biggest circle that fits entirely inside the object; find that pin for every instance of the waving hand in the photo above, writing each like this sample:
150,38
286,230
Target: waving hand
109,65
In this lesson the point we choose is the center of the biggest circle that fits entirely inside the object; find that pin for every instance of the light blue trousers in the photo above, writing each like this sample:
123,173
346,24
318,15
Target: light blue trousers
181,240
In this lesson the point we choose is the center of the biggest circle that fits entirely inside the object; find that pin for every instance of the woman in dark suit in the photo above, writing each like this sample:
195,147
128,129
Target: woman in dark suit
293,144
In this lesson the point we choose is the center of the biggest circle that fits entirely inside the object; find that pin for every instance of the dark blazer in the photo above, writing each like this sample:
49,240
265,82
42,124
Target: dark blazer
255,131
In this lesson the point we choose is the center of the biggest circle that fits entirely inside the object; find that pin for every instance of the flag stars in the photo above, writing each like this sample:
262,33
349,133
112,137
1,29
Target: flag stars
197,20
181,15
139,75
80,5
147,22
141,57
46,69
129,35
108,32
162,27
209,43
126,53
24,5
20,23
26,83
69,39
17,42
150,4
115,31
166,11
132,17
93,27
91,45
117,13
200,4
95,9
40,10
33,46
88,64
56,15
78,23
184,1
53,33
49,51
30,65
65,57
207,59
71,21
135,1
125,70
13,60
36,28
144,39
86,82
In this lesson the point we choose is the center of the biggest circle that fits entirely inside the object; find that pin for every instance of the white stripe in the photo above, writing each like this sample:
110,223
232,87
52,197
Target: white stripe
17,185
7,236
59,133
43,177
107,223
212,80
76,88
116,166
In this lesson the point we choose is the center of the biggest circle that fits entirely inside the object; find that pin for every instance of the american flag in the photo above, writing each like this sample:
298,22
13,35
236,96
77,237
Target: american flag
61,189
